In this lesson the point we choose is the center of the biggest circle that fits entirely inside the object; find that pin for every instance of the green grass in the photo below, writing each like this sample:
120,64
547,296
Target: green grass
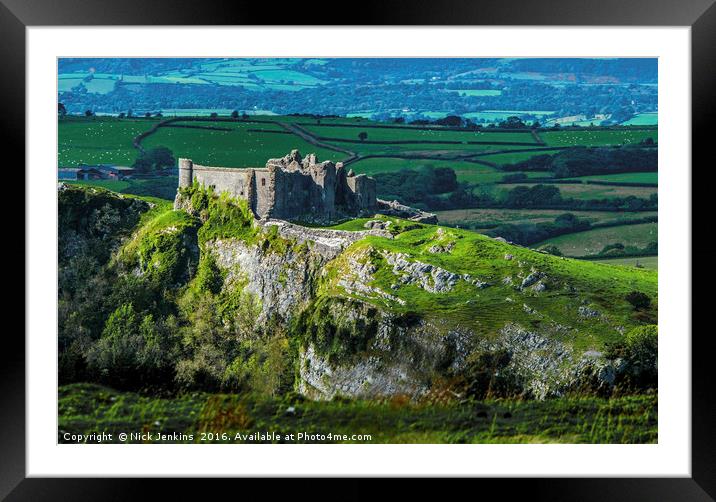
88,408
584,191
623,178
478,92
466,171
99,140
163,187
513,157
598,137
647,118
415,134
495,116
237,148
651,262
485,218
592,241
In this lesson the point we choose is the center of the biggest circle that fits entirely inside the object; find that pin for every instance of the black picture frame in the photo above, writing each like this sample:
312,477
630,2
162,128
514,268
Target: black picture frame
700,15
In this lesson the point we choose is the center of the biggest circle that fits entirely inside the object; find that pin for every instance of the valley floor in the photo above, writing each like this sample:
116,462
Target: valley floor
200,417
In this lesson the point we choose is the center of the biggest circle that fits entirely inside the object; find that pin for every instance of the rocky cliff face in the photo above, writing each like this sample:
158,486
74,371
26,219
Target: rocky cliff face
377,322
380,307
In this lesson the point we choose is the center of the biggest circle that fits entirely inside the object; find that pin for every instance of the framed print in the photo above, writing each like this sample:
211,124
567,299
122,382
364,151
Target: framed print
443,242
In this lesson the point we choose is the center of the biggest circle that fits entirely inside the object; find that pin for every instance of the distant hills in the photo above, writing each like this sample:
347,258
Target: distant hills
610,91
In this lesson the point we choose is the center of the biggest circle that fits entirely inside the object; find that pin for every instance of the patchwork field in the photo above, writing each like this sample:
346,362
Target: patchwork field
593,241
487,218
250,143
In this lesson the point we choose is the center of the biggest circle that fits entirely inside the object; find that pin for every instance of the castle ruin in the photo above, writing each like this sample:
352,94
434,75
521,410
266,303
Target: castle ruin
290,188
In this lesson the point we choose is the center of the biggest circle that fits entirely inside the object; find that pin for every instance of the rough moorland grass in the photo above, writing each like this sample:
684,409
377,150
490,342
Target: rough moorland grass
87,408
592,241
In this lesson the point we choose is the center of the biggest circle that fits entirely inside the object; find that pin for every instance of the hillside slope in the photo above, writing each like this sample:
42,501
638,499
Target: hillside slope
396,308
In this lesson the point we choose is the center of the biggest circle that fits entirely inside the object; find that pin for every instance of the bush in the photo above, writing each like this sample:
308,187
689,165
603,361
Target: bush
638,300
639,355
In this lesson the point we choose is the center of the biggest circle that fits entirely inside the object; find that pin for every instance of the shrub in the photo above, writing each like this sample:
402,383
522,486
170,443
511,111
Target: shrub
638,300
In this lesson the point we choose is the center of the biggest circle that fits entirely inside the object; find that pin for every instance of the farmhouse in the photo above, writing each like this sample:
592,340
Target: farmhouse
290,187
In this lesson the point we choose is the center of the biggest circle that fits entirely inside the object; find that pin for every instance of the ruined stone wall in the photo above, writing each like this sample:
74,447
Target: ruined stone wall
362,189
264,197
234,181
290,187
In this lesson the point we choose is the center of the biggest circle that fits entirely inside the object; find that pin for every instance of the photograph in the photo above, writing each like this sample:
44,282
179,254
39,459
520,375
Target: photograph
360,250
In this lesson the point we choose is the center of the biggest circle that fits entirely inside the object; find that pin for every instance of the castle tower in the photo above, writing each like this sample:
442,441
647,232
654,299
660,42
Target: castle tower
186,172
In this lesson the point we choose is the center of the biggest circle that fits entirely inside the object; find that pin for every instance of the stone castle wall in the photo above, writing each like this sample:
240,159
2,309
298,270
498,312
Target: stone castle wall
289,187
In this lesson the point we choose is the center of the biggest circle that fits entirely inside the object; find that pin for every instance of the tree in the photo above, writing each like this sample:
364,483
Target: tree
235,114
61,110
362,135
154,159
148,114
89,113
213,115
122,115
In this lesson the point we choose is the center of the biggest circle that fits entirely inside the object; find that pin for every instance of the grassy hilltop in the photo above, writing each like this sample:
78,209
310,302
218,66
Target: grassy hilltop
149,299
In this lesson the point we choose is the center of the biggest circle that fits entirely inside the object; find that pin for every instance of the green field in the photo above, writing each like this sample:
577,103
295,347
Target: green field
495,116
513,157
478,92
597,137
651,262
237,148
647,118
584,191
485,218
593,241
164,187
466,171
99,140
623,178
415,134
254,74
109,140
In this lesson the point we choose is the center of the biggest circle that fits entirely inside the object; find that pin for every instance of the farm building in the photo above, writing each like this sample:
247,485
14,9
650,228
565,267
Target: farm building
79,173
113,172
